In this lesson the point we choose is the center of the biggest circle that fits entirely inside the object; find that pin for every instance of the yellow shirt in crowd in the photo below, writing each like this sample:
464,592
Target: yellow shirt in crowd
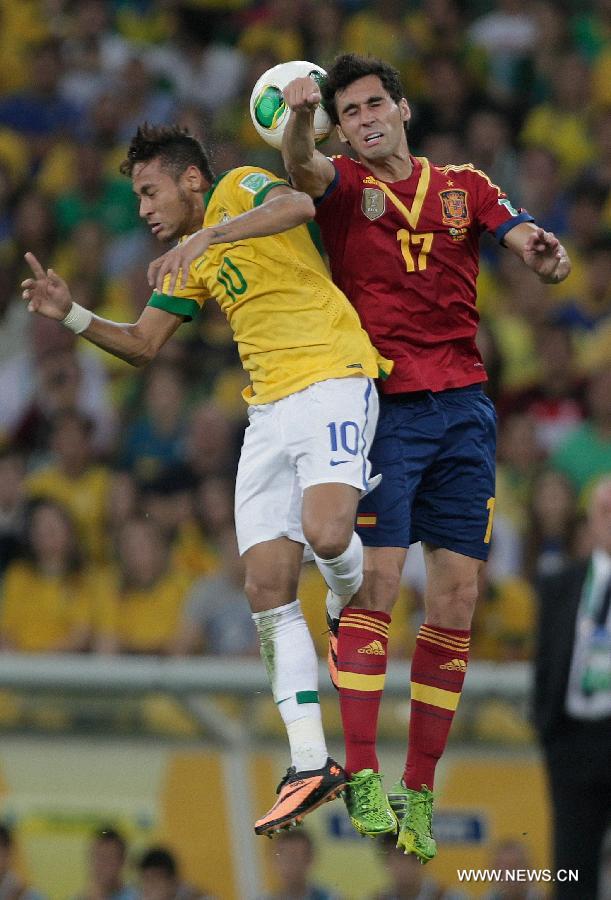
85,497
143,620
40,612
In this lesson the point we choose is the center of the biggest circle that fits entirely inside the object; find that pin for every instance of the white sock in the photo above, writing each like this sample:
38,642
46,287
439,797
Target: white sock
335,604
292,667
344,574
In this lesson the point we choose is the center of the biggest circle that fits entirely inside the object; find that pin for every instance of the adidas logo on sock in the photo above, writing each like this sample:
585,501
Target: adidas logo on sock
459,664
375,648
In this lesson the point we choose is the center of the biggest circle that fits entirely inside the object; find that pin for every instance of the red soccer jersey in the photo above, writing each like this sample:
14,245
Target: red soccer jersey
407,256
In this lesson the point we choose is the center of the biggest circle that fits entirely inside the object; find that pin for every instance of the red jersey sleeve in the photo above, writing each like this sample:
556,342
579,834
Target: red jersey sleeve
494,211
335,207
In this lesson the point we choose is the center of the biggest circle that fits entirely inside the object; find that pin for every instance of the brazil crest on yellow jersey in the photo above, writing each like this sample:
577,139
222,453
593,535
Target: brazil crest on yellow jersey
292,325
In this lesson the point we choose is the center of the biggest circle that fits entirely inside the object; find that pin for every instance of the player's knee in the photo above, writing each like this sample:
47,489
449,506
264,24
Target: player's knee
264,591
328,540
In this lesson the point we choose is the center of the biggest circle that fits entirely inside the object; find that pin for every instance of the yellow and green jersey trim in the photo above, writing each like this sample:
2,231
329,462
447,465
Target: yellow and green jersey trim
179,306
258,198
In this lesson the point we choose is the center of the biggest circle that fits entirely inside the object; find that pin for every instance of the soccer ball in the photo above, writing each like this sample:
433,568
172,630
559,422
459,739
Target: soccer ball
268,110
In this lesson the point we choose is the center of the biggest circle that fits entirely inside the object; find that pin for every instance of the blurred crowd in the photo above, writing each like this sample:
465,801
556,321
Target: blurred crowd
116,486
116,872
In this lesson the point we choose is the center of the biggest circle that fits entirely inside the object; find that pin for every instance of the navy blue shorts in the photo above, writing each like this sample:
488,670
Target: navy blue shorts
436,453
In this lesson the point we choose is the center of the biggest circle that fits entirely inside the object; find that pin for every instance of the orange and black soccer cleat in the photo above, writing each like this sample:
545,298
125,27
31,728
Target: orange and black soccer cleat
299,793
332,650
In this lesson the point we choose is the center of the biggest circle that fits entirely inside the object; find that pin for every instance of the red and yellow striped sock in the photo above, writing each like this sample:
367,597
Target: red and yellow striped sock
361,667
438,671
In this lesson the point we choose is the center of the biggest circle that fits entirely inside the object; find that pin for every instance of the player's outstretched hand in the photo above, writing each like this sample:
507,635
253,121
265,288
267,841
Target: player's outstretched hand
46,293
545,255
302,94
176,262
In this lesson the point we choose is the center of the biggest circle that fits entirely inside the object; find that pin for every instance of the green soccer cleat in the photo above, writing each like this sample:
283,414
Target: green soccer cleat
398,797
415,812
367,805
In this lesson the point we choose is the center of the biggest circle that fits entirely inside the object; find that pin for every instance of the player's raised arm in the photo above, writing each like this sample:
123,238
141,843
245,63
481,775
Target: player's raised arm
309,170
540,250
282,209
48,295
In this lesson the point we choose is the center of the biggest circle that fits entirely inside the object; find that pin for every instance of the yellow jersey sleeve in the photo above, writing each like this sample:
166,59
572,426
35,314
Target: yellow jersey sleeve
247,187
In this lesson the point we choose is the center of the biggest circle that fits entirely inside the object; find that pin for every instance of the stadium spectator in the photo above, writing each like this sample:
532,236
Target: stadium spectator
196,547
12,887
572,701
50,377
508,34
551,528
540,188
489,148
277,29
202,69
139,99
216,618
39,112
322,26
169,500
519,460
555,400
160,878
143,601
154,439
48,596
584,454
92,51
407,879
74,478
107,859
95,197
211,442
507,857
449,101
292,858
560,124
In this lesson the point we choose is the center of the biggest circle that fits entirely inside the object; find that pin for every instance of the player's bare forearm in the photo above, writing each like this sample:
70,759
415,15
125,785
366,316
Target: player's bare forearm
282,209
541,251
136,343
308,168
48,295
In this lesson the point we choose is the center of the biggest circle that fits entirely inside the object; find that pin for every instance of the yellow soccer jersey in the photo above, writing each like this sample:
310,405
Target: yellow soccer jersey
292,325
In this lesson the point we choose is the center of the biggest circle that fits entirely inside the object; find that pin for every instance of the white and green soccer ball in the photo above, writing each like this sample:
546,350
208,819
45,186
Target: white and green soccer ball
268,110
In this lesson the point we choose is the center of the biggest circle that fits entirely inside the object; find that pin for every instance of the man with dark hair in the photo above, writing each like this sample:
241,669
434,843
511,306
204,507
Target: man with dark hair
160,878
312,404
292,858
402,237
107,857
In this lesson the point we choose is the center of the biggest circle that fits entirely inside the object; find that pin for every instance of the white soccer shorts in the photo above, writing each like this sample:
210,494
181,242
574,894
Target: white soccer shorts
319,435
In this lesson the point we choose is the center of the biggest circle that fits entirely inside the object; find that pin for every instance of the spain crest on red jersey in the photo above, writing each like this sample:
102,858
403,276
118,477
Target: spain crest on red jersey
454,209
373,203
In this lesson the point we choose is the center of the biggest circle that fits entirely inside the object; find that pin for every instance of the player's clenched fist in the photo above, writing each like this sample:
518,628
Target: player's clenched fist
46,293
302,94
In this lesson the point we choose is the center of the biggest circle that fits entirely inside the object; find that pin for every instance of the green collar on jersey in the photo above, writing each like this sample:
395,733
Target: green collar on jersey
213,187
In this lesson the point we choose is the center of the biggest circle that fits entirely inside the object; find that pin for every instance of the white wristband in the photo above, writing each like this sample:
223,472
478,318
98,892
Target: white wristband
78,318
